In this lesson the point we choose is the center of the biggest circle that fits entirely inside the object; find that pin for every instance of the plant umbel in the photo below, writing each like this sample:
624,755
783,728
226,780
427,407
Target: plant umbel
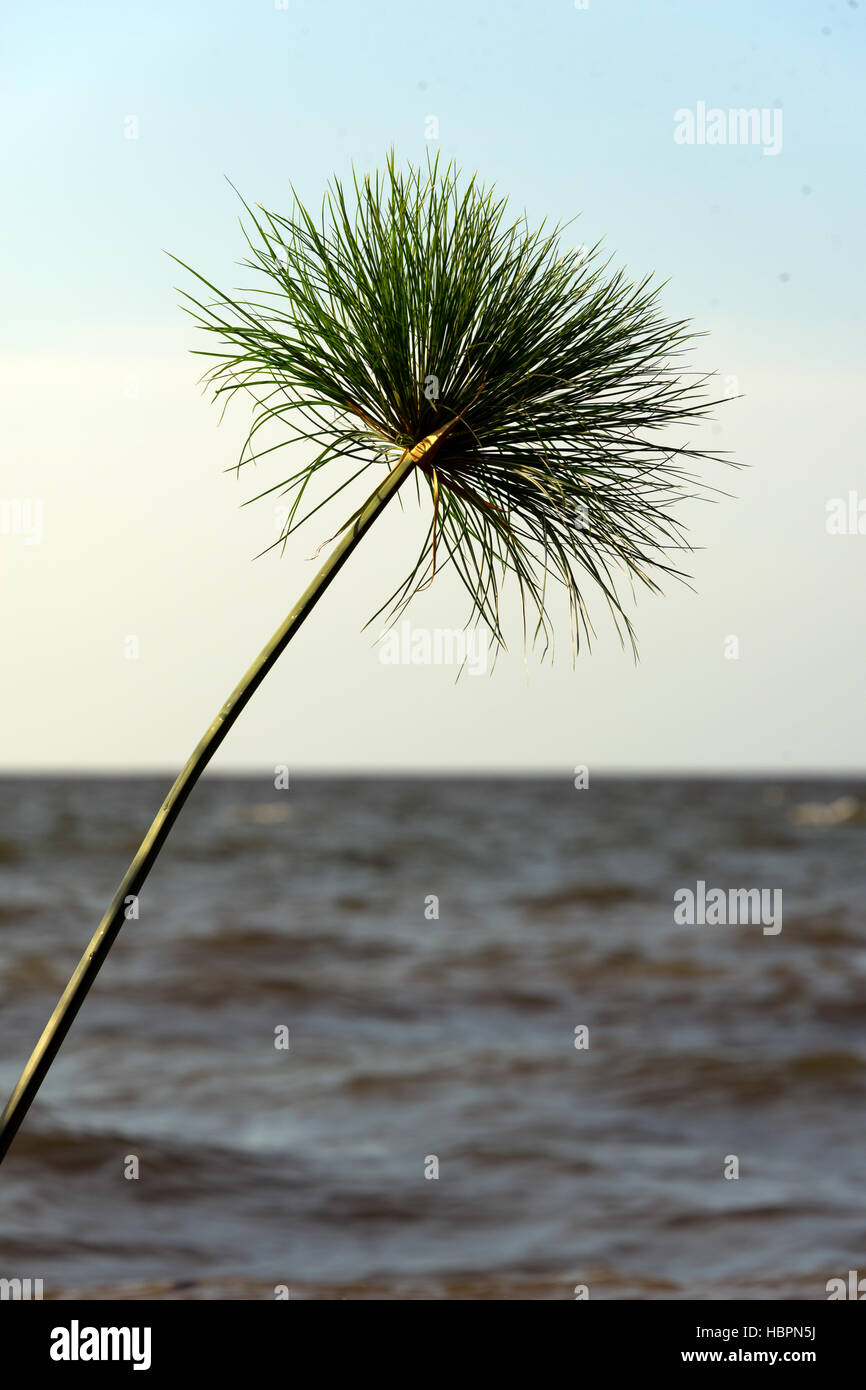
529,388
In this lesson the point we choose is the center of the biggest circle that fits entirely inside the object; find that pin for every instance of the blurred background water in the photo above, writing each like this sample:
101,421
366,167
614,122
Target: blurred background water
412,1036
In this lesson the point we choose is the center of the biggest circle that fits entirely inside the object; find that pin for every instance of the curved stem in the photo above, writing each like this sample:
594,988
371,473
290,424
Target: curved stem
88,967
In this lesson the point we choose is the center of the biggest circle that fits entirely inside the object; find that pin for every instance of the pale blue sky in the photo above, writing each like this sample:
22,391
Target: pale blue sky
569,111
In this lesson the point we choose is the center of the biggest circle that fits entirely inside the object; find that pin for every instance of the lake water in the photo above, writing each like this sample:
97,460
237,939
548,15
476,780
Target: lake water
417,1040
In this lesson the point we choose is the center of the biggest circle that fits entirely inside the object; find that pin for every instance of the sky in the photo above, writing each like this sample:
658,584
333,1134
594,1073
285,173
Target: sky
131,599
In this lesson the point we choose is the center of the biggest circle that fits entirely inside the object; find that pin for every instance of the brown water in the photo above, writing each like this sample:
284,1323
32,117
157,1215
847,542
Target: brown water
412,1037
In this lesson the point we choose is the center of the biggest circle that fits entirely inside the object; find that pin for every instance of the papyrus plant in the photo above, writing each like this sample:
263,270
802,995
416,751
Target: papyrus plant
413,330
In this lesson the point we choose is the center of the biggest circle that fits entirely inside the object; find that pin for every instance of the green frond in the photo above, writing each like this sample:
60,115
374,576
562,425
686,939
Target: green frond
413,299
